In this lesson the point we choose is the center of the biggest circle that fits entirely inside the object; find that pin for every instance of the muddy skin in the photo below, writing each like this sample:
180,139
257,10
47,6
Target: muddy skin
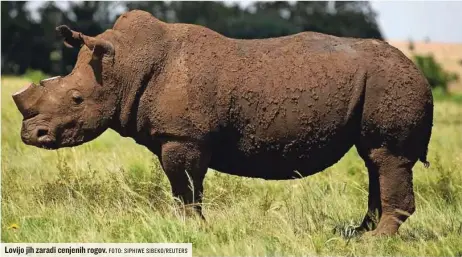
276,108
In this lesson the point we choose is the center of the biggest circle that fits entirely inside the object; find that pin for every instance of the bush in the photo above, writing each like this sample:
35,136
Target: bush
35,75
436,76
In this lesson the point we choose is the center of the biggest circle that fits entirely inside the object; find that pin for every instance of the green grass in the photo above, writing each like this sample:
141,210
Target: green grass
112,190
440,96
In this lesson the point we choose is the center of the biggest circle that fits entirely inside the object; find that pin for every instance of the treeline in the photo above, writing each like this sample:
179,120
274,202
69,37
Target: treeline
29,43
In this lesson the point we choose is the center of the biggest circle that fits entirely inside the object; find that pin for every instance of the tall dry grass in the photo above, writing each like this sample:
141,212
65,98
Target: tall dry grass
112,190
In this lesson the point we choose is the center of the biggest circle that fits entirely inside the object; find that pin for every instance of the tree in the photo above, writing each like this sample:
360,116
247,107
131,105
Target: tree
49,44
17,36
34,44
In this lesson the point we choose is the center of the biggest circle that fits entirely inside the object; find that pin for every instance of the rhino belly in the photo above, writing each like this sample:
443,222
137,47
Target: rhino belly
282,160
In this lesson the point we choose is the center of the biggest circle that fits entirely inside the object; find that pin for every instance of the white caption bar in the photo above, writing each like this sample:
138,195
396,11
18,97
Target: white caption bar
96,249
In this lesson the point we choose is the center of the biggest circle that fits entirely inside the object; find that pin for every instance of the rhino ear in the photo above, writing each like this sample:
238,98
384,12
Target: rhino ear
75,39
71,38
99,46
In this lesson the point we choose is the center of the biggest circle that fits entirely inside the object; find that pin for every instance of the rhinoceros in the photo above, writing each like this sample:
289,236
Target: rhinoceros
276,109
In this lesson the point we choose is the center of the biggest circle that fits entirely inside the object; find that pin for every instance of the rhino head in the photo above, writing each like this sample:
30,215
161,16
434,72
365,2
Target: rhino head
70,110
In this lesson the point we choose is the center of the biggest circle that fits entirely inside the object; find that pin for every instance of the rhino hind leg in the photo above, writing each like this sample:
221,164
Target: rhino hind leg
391,195
374,205
185,165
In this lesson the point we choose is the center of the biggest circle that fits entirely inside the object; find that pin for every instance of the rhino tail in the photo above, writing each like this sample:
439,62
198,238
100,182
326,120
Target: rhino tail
425,162
423,157
428,124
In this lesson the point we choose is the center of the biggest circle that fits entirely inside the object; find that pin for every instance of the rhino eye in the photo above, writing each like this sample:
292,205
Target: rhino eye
77,98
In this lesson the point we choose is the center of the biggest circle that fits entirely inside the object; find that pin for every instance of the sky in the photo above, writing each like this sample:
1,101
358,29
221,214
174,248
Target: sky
439,21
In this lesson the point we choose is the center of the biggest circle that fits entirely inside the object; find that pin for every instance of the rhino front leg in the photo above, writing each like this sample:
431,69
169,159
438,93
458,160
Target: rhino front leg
185,165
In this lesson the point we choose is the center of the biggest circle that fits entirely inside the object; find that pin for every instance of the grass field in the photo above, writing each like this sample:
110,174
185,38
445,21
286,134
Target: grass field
112,190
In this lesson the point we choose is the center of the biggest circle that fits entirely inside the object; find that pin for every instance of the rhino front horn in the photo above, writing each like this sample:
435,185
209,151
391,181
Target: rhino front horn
26,98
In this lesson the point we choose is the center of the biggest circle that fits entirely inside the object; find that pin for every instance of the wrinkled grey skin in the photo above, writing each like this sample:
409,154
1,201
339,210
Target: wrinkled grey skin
277,108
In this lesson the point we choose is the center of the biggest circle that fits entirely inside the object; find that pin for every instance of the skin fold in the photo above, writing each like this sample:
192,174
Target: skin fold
279,108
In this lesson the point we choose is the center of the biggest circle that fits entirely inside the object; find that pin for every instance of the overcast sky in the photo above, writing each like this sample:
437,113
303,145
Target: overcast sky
440,21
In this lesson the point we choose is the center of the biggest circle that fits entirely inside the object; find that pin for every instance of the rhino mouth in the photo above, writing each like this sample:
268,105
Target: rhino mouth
47,142
42,132
39,136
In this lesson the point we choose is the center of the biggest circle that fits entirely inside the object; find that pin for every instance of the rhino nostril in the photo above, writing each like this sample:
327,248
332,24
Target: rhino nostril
42,132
